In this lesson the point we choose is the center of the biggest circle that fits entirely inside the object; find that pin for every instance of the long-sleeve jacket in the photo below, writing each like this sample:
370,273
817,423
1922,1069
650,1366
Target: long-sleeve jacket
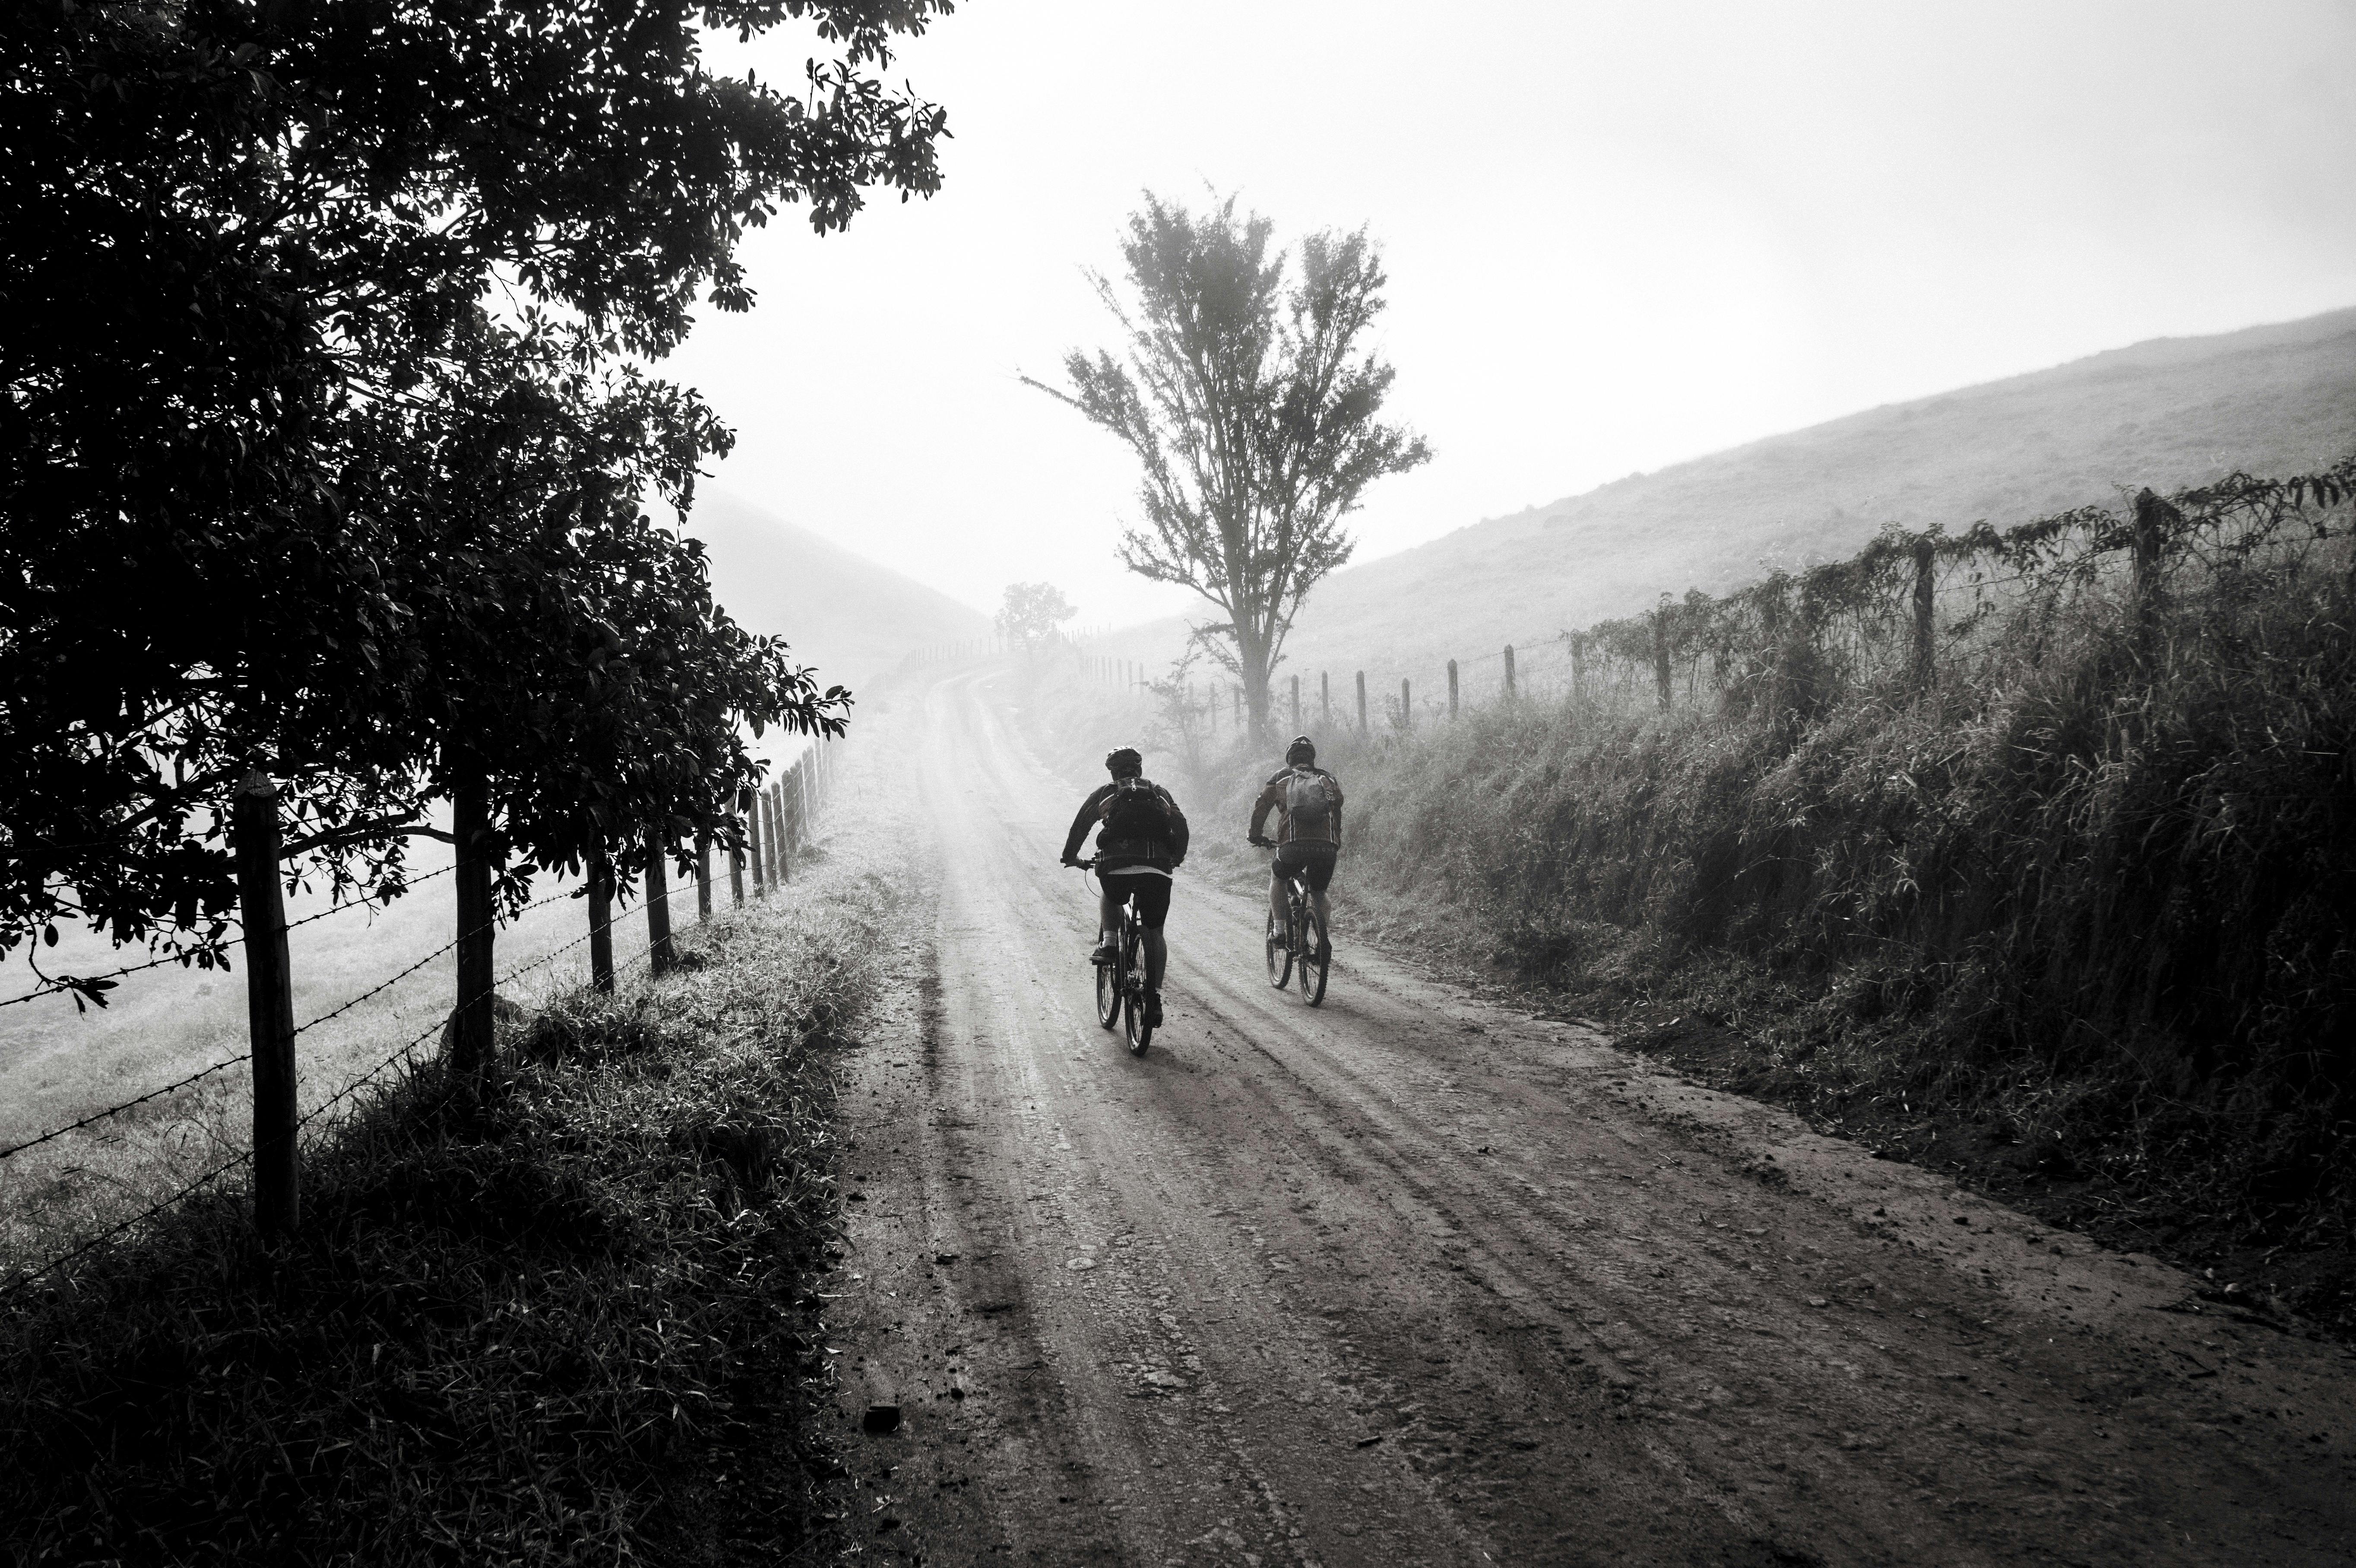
1271,797
1112,853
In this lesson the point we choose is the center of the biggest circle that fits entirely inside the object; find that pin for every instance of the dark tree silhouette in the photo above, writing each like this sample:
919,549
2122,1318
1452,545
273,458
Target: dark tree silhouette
260,226
1254,409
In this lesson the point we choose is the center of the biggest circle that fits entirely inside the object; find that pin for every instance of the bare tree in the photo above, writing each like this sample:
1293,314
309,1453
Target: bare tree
1031,611
1253,410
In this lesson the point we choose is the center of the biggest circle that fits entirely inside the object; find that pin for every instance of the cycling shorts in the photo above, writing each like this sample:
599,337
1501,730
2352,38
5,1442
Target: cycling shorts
1152,895
1313,861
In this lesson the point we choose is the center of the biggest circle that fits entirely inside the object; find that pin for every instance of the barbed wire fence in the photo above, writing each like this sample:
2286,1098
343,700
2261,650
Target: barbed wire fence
780,820
1907,610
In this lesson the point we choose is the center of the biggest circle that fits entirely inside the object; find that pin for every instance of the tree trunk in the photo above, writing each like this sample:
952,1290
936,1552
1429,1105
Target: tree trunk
601,922
702,878
1254,666
659,952
270,1006
472,1049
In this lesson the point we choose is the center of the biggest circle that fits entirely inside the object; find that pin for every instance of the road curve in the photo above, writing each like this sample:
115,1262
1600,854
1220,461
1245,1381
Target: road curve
1411,1279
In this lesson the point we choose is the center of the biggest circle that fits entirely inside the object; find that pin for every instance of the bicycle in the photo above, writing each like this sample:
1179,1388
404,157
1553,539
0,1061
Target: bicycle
1303,945
1121,985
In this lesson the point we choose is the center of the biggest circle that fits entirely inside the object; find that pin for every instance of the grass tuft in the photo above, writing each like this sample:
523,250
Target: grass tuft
578,1324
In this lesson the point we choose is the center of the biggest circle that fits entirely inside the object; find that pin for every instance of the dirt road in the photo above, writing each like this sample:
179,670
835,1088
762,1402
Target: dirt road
1410,1279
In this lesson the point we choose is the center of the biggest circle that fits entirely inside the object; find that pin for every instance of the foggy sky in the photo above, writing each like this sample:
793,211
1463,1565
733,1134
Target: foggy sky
1618,237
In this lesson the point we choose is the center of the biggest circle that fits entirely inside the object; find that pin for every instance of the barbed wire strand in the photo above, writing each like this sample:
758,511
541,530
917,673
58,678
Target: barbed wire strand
101,1115
387,984
54,1133
188,960
30,1275
408,1047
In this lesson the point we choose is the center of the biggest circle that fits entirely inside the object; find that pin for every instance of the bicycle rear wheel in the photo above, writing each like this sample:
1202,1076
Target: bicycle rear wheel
1133,987
1279,954
1315,958
1108,994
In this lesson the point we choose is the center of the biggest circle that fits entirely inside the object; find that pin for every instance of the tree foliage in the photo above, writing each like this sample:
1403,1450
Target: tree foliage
1031,611
242,278
1251,400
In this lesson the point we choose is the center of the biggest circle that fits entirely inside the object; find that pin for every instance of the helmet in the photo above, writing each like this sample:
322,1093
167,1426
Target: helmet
1122,760
1302,751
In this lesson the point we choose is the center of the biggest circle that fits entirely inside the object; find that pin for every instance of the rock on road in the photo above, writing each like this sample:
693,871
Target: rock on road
1414,1279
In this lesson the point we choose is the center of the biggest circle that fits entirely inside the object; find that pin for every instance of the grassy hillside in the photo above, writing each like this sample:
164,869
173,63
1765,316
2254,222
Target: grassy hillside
2065,909
2171,412
846,615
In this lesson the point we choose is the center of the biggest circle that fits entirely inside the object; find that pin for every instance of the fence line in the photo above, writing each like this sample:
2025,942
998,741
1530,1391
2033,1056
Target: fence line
1908,604
809,780
198,957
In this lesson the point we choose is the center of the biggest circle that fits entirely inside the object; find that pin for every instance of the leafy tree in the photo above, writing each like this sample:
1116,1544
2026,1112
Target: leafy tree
1254,409
261,225
576,694
1031,611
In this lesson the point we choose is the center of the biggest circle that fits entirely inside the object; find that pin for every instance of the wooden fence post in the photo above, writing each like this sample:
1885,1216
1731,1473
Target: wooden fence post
1407,706
268,1006
794,796
756,847
702,878
737,873
1361,702
1660,651
772,839
601,922
1296,705
1578,666
473,1046
782,832
658,947
1925,572
1451,691
1509,672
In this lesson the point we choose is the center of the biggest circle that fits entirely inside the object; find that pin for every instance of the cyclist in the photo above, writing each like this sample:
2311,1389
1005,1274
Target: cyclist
1141,839
1307,800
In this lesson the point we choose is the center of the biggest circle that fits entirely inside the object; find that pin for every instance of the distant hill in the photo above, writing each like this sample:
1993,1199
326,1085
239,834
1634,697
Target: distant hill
2172,412
843,613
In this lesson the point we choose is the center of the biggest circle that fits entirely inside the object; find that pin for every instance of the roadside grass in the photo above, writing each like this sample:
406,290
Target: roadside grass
2073,924
58,1066
579,1324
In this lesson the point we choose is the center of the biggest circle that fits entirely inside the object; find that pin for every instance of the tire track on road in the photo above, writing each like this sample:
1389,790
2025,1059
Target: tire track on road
1406,1279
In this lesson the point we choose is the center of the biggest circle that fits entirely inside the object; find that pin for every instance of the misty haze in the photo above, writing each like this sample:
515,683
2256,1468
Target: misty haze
961,784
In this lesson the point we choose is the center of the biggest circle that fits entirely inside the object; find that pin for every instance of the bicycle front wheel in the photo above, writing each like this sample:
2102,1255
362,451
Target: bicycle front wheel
1108,994
1316,956
1279,954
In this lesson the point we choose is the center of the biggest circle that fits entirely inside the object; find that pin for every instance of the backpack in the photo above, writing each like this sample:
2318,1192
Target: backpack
1308,800
1134,812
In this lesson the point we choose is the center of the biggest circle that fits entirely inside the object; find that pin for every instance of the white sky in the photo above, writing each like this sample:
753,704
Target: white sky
1618,237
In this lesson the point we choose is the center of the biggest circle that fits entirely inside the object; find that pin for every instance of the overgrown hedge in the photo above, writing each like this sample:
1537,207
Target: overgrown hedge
2097,881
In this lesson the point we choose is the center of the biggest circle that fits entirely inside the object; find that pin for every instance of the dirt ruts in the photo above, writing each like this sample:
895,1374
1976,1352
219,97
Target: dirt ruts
1412,1278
